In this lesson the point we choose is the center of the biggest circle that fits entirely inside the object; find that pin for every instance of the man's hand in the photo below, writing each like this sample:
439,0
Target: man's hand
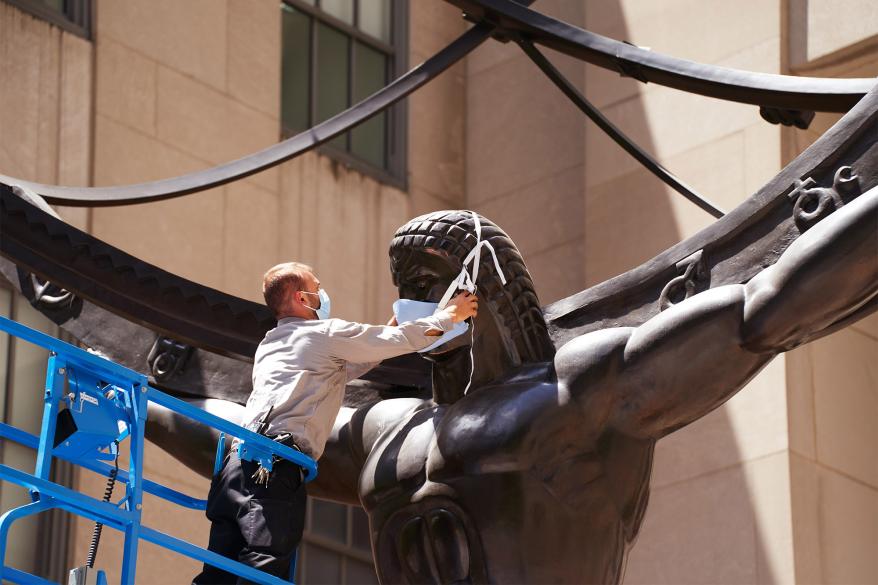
392,322
462,306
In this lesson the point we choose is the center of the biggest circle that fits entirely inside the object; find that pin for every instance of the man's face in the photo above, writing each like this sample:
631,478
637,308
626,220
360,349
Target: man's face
310,284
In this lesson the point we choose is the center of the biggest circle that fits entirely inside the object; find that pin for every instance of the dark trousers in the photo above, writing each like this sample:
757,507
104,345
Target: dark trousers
258,525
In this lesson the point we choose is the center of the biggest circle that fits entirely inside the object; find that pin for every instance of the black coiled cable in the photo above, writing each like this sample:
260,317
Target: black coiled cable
96,533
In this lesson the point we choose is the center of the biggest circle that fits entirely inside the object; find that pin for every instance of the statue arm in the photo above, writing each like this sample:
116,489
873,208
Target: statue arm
339,467
681,364
353,437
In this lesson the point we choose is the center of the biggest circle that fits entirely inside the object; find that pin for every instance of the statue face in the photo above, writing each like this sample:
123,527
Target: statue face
424,275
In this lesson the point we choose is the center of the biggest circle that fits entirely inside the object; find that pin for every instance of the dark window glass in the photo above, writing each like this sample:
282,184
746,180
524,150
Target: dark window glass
336,538
71,15
323,566
368,140
296,68
333,72
336,53
360,573
329,520
360,530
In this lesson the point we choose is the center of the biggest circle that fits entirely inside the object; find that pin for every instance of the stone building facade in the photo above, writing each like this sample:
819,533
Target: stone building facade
778,485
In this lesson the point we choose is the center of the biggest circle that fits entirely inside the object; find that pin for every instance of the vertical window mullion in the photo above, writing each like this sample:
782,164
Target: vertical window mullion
330,92
351,76
312,73
7,374
390,121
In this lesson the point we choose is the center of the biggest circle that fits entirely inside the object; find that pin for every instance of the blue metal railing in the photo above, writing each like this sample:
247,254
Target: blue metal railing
96,389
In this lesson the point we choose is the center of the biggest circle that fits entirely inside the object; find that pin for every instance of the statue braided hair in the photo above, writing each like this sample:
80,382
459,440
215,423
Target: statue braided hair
517,305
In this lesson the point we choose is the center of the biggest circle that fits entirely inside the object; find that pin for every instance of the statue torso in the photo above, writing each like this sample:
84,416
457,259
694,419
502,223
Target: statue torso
499,487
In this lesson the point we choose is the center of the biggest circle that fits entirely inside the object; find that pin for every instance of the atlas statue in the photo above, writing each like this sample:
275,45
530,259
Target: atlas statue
520,451
540,472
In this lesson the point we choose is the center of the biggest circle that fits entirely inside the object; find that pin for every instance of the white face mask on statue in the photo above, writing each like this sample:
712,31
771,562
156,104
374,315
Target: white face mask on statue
408,310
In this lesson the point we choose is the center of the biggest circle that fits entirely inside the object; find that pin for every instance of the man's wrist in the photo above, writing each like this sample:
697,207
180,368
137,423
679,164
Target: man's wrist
446,323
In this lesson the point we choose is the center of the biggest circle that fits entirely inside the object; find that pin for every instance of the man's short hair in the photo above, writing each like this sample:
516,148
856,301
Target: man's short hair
280,281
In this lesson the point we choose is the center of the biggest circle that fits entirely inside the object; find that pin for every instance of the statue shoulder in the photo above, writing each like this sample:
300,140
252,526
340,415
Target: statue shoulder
492,428
369,423
588,360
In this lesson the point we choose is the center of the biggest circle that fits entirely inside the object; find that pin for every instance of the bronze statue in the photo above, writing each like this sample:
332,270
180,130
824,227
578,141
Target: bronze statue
540,473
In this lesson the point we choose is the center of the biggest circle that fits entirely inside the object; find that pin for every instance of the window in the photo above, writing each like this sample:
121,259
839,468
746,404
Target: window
37,544
71,15
335,547
335,53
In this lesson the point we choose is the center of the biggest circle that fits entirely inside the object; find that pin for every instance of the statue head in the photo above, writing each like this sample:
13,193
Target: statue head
428,252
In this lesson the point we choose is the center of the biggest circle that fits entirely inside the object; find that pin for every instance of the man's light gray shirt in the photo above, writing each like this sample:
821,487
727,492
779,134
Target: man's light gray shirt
301,368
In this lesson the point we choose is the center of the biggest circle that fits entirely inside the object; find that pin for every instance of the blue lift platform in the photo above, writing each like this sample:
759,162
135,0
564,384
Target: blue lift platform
91,406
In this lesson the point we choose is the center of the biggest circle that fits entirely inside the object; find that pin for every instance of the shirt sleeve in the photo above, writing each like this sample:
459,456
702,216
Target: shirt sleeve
362,344
354,371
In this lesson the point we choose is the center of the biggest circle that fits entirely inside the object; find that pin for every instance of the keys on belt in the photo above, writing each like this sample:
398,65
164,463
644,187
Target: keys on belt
266,461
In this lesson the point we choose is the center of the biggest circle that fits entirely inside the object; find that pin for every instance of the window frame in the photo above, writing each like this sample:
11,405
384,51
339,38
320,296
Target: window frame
347,551
76,18
396,131
55,528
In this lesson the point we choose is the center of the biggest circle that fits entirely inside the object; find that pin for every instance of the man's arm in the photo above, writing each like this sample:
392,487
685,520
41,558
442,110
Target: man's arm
681,364
360,343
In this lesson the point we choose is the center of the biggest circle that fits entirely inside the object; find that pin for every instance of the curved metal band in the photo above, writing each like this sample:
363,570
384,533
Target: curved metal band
619,137
763,89
271,156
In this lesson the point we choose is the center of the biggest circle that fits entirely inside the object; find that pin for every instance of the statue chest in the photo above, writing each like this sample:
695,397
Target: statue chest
420,532
399,464
431,451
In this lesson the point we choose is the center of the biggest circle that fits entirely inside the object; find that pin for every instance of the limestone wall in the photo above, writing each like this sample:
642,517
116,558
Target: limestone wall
736,497
833,391
45,103
183,86
526,155
719,510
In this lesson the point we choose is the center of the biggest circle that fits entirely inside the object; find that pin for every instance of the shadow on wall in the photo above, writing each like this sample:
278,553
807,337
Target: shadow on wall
580,211
704,523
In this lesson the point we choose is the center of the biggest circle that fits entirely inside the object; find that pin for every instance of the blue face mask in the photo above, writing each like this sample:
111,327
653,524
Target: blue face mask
407,310
323,310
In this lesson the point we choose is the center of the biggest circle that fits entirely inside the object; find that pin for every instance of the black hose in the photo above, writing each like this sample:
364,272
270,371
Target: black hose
96,533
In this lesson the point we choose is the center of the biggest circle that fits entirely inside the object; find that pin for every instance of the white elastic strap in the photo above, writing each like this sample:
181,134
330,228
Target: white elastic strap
472,358
464,280
478,255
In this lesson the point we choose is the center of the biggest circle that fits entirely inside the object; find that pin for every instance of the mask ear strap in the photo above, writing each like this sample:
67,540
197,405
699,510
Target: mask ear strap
449,292
478,250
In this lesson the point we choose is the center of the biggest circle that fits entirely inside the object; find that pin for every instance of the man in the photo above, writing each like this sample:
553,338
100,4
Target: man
299,375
